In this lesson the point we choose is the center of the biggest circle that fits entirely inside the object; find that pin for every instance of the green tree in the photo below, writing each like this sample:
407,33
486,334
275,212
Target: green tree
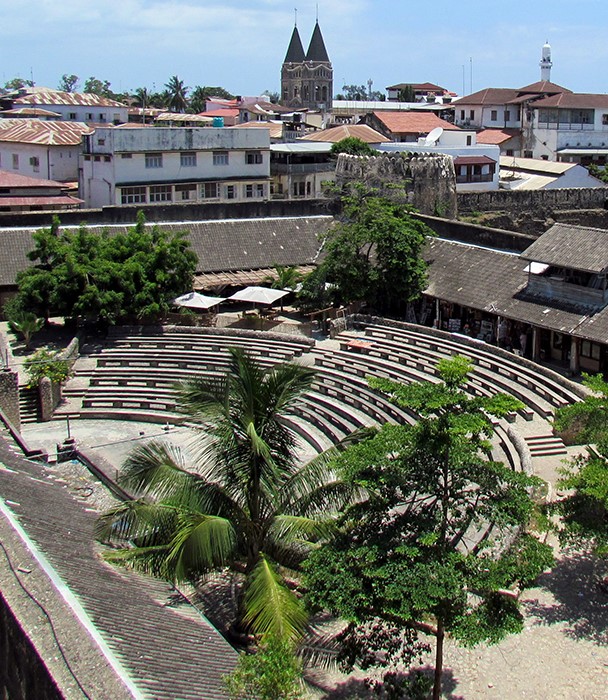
360,92
176,95
247,503
584,510
95,276
284,277
407,94
23,323
353,146
17,84
201,94
272,673
440,544
46,363
69,83
375,253
95,86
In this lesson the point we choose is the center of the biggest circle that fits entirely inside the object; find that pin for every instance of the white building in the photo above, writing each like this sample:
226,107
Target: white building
163,165
41,149
535,174
476,165
74,106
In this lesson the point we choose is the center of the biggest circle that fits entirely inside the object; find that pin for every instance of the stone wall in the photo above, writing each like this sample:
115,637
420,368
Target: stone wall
538,202
9,397
23,675
428,179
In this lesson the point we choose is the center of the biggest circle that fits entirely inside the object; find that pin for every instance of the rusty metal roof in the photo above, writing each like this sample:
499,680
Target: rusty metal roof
84,99
43,133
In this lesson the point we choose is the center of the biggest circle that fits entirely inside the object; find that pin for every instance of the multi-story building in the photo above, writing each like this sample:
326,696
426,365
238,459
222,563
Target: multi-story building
165,165
42,149
21,193
71,106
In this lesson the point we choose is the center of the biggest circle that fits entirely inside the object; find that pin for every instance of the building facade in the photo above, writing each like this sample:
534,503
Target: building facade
172,165
307,78
73,106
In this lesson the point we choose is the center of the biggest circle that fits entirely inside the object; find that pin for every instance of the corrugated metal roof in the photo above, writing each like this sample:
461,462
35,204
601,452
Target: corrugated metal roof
29,112
575,247
178,117
535,165
10,179
84,99
44,133
48,202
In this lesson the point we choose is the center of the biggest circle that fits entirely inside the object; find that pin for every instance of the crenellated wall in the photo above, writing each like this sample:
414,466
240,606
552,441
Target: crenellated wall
425,180
538,202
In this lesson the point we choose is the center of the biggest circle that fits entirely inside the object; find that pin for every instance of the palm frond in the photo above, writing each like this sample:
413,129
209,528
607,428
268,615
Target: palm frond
147,560
157,469
270,607
203,397
136,521
200,543
298,529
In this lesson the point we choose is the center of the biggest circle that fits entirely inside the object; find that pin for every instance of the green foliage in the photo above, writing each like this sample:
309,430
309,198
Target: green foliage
587,421
599,173
176,95
284,277
352,146
440,539
99,87
360,92
243,501
69,83
375,254
95,276
23,323
315,293
17,83
272,673
200,95
406,94
45,363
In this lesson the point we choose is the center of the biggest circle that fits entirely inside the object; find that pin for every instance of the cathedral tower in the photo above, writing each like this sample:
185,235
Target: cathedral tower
307,79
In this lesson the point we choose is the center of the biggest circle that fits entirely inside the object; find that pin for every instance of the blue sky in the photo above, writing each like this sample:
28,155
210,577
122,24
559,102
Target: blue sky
240,44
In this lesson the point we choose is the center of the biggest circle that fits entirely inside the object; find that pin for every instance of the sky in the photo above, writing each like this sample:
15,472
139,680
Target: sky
240,44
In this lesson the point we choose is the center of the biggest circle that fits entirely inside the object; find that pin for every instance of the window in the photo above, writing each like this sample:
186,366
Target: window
259,190
97,158
209,190
35,163
253,158
469,140
15,161
126,155
230,192
102,117
248,191
591,350
528,154
462,114
494,115
187,160
101,142
89,116
507,115
160,193
107,159
72,116
604,119
220,157
472,114
154,160
509,152
186,192
133,195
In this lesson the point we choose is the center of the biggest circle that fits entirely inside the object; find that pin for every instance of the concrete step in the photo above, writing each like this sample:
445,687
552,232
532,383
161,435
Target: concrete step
545,445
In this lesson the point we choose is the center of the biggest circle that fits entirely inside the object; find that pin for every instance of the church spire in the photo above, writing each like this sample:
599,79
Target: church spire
295,51
316,49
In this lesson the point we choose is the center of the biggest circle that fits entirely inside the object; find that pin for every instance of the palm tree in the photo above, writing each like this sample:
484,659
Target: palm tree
245,502
284,277
177,100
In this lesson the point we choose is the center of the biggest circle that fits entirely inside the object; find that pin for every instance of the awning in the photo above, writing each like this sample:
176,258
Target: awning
259,295
583,151
194,300
239,278
474,160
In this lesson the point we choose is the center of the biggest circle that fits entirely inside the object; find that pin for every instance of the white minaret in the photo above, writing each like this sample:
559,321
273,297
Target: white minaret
545,63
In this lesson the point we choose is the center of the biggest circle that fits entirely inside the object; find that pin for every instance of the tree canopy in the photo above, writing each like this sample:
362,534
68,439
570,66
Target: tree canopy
375,252
440,544
353,146
97,276
244,501
69,83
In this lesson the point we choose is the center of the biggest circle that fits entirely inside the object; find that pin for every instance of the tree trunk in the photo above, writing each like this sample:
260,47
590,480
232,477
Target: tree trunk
438,660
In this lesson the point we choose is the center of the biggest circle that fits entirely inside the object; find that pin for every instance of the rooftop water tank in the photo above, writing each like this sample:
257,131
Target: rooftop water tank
218,121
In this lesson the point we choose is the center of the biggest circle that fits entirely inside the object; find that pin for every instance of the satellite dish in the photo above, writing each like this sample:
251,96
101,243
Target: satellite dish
433,136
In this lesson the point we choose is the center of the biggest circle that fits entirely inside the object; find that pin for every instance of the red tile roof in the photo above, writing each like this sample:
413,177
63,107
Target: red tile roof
544,86
574,100
412,122
489,96
474,160
495,137
418,86
222,112
337,133
46,201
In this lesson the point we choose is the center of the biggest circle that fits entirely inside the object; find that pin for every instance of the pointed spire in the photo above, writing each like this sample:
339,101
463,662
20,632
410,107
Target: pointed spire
295,51
316,49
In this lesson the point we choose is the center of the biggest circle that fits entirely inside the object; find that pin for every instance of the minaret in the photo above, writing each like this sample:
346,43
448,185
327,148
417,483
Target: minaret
545,63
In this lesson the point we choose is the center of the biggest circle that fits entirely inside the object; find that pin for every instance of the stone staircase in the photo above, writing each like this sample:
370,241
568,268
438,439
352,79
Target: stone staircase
29,405
545,445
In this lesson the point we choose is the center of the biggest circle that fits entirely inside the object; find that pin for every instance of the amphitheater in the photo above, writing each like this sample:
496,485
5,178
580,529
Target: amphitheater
129,379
